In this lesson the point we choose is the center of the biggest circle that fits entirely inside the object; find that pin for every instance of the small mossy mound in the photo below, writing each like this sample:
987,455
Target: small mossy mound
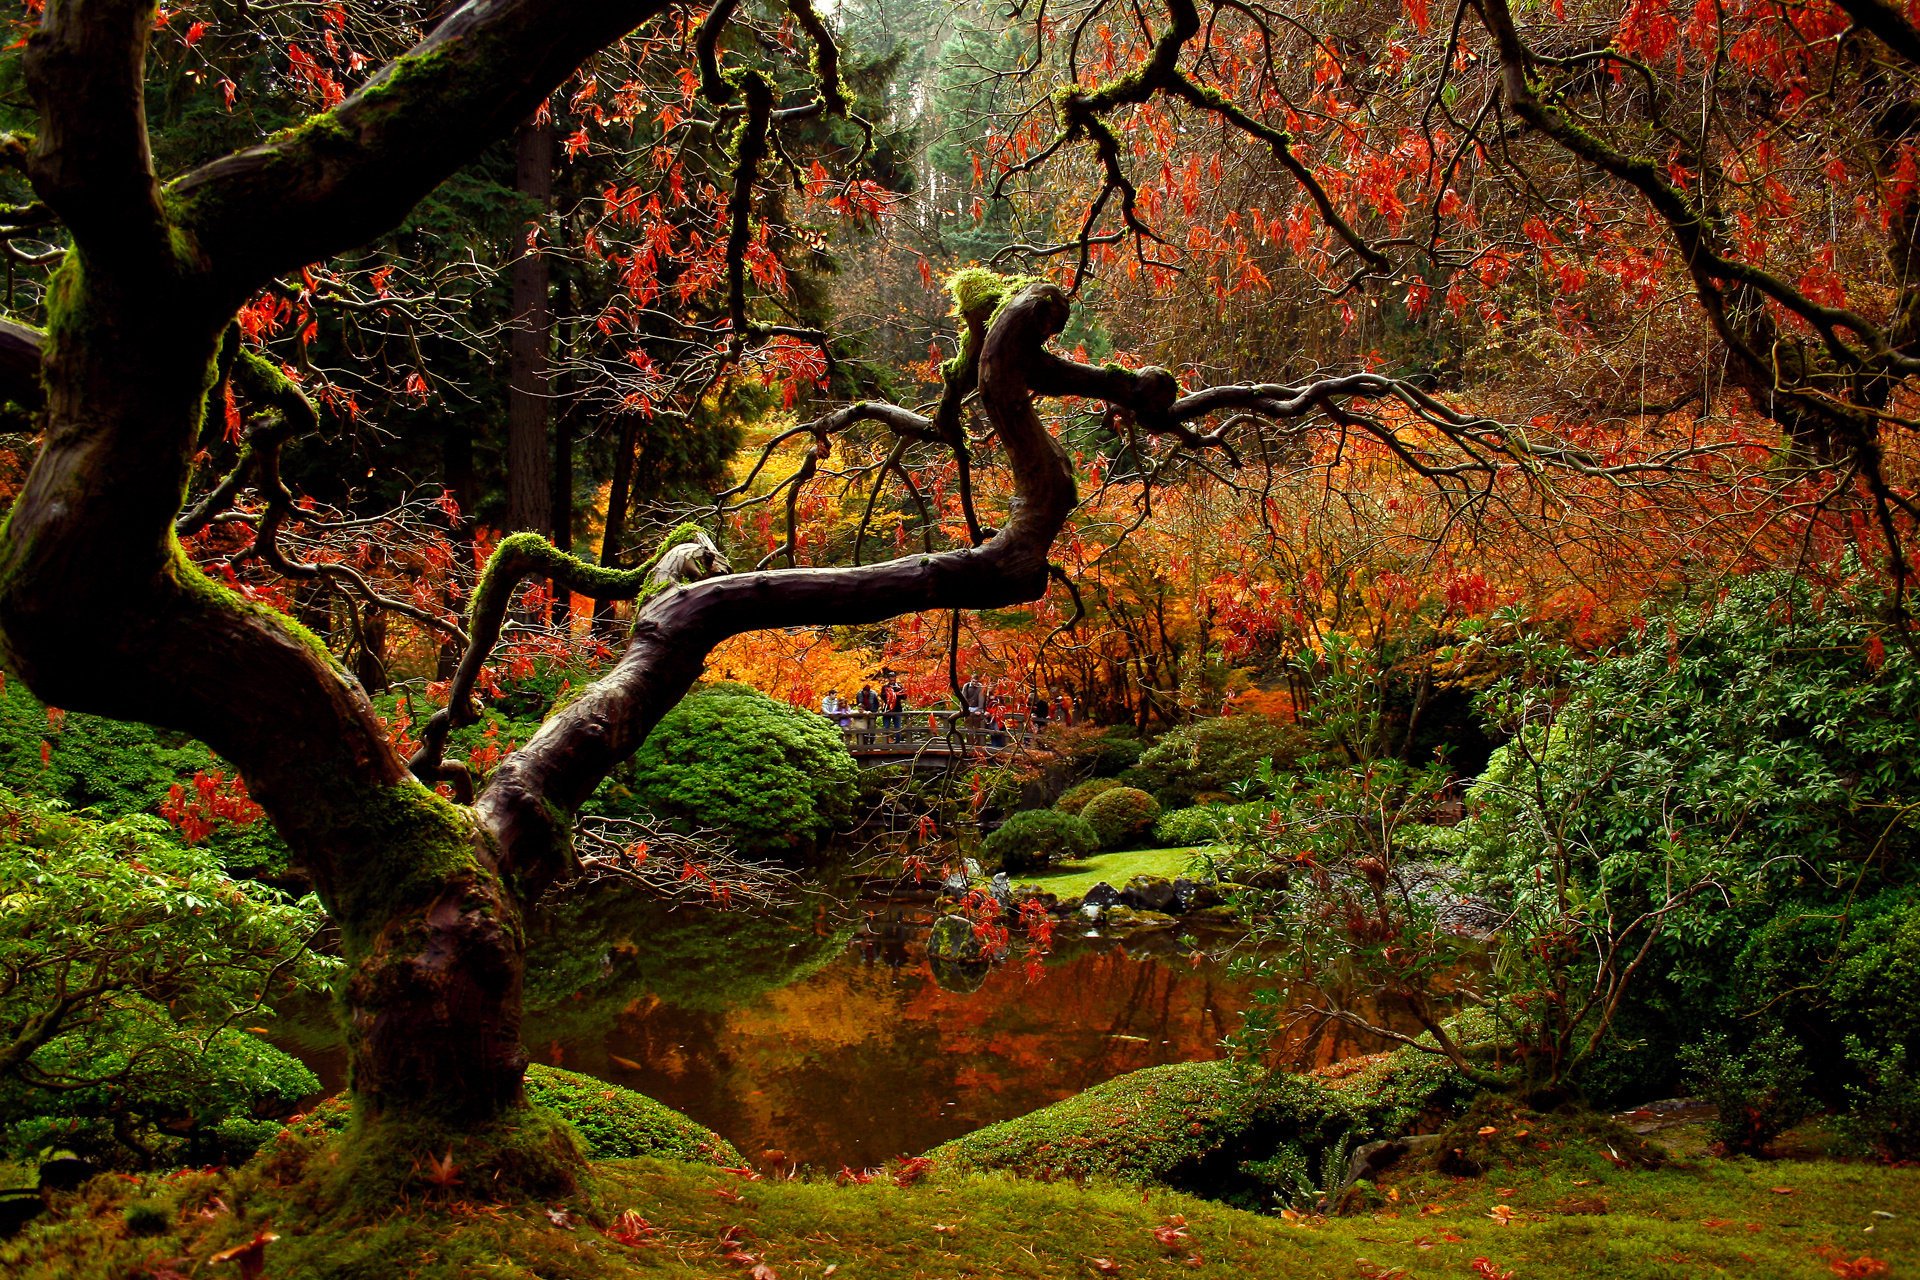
1216,1130
612,1123
1497,1135
619,1124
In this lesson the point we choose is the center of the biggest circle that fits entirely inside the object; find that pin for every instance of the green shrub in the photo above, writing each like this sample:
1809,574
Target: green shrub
1036,838
773,777
1075,798
163,950
1882,1113
117,768
1122,817
1189,827
1216,755
1114,752
1760,1092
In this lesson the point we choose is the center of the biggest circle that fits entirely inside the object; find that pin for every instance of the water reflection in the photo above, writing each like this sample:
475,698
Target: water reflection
860,1054
821,1034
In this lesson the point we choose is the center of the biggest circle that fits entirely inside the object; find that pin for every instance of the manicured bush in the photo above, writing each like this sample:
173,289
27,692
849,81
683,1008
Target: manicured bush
1036,838
1075,798
1216,755
1123,817
1758,1092
772,777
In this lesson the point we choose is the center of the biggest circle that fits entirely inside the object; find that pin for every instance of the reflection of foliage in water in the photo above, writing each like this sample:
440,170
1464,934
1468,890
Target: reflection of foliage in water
596,951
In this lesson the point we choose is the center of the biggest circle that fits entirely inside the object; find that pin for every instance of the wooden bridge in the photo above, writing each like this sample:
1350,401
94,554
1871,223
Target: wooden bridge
931,737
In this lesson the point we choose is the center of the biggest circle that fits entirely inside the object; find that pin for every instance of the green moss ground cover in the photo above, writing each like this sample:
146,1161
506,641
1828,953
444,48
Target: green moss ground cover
1563,1211
1072,879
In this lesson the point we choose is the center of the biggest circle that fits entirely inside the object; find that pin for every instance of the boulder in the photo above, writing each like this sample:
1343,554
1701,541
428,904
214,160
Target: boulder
1195,895
1001,889
1101,895
1123,920
1025,893
1151,893
953,940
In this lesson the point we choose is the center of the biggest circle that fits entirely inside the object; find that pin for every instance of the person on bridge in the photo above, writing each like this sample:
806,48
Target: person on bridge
869,703
1037,711
893,700
973,701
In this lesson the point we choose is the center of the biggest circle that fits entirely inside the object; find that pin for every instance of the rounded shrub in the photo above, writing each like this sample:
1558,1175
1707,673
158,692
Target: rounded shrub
1036,838
1122,817
1075,798
774,778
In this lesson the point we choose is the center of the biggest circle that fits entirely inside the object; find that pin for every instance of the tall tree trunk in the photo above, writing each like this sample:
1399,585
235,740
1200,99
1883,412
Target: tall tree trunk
619,496
563,433
529,407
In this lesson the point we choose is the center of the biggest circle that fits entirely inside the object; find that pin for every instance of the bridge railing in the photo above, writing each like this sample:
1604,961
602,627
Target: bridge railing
933,730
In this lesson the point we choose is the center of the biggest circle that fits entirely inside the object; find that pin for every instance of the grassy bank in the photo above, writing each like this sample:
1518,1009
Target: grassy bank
1552,1202
1073,879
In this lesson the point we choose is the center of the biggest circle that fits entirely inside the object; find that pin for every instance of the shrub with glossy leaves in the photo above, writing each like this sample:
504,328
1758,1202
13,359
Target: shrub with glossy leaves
1123,818
1728,780
773,777
1036,838
134,968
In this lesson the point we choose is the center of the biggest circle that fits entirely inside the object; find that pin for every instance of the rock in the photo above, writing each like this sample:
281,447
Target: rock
1469,917
1127,920
953,940
1194,895
1091,910
971,867
1001,890
1025,893
1371,1159
955,885
1101,895
1274,878
1150,893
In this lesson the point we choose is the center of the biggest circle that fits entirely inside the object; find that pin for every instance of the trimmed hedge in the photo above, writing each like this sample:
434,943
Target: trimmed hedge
1036,838
1076,798
1122,817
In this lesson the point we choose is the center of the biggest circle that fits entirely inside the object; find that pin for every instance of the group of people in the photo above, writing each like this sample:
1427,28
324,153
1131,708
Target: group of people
985,712
889,703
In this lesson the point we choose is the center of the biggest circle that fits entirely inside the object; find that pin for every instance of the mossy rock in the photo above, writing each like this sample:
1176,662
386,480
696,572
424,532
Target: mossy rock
1212,1128
953,940
612,1123
1119,919
619,1124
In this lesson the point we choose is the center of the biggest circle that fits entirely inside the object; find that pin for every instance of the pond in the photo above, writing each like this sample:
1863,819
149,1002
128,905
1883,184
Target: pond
821,1035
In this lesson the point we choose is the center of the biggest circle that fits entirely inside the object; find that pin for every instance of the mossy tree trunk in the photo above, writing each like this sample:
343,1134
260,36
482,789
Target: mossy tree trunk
101,611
